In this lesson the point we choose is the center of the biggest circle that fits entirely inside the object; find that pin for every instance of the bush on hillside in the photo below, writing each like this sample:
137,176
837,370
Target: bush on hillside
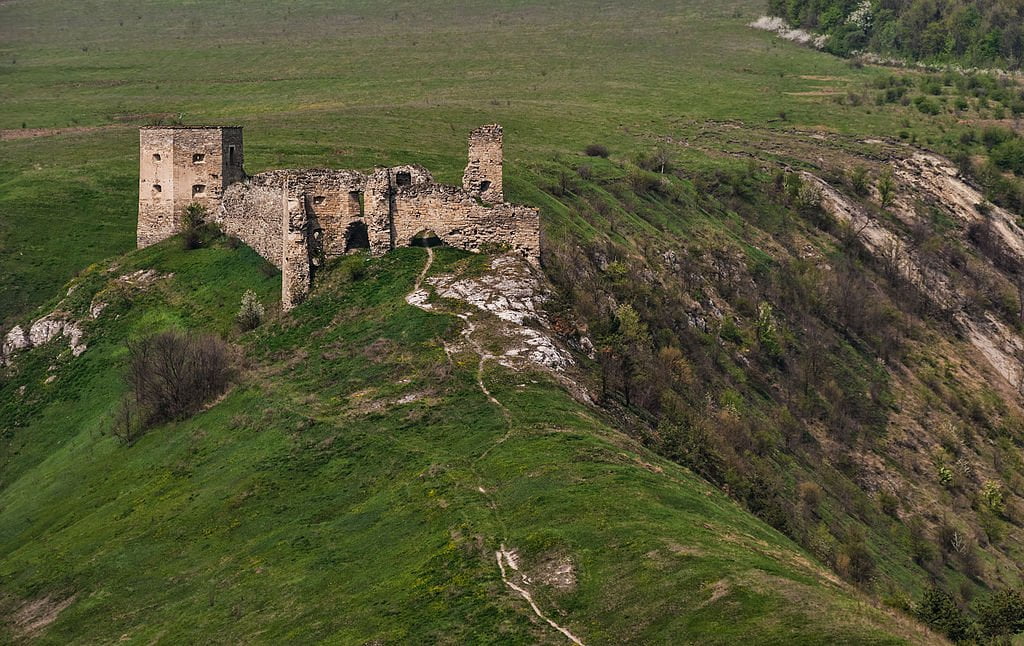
171,376
938,609
1002,614
597,150
251,312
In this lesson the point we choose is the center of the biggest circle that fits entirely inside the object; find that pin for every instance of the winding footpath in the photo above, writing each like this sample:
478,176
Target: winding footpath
507,560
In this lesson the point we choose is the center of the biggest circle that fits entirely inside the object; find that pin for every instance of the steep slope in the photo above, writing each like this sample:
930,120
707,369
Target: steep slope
827,327
358,484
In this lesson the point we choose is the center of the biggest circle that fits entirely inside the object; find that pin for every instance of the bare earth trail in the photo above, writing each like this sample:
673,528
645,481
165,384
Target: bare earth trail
504,556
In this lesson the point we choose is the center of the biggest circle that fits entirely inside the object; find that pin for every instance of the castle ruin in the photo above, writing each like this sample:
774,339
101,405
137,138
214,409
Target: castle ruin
298,219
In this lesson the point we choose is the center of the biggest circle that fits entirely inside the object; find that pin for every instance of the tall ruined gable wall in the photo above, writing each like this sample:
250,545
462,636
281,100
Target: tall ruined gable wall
461,221
483,174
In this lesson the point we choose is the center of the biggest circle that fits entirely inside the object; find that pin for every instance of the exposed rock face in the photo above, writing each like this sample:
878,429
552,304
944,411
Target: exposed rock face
15,340
329,212
60,323
929,179
513,293
40,332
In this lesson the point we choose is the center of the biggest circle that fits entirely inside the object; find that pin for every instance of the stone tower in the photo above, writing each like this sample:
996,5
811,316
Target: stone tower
179,165
483,172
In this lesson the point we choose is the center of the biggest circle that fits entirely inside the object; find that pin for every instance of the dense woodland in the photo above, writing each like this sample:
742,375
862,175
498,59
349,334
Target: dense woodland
975,32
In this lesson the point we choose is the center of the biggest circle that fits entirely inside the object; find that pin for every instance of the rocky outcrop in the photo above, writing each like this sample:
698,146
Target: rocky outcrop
61,324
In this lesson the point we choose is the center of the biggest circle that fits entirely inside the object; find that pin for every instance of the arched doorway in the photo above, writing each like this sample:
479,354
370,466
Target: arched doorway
426,238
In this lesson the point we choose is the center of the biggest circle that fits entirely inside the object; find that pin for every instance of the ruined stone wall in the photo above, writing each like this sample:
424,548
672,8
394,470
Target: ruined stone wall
292,217
461,221
179,166
253,214
381,188
296,274
483,173
333,200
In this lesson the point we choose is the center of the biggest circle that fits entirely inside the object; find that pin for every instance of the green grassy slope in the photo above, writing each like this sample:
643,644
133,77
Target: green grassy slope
309,505
317,84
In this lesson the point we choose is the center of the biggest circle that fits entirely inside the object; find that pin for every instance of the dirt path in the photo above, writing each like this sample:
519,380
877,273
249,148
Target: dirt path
30,133
505,557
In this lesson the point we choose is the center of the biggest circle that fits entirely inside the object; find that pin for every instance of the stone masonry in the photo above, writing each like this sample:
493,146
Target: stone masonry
297,219
179,166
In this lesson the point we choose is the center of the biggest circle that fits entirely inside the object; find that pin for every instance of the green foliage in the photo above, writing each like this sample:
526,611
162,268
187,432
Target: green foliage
992,494
192,219
977,33
1009,155
859,181
251,312
886,188
939,610
1002,614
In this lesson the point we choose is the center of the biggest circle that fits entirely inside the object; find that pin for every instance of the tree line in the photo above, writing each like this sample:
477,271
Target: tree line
982,33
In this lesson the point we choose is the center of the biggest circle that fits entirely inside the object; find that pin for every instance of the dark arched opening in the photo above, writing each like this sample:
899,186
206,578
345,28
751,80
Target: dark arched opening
356,236
485,185
426,238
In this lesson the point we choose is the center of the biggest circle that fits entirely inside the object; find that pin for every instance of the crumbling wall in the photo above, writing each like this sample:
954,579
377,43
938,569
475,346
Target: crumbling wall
295,261
252,213
462,221
483,174
293,218
381,188
333,200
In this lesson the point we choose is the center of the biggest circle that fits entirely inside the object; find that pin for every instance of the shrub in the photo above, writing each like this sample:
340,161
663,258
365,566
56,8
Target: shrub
170,376
597,150
992,494
886,188
642,181
939,610
859,180
251,313
191,220
855,562
1002,614
1009,155
810,494
889,503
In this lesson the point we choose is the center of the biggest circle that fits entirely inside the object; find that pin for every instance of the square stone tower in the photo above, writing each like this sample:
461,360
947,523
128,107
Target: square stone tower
483,172
181,165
